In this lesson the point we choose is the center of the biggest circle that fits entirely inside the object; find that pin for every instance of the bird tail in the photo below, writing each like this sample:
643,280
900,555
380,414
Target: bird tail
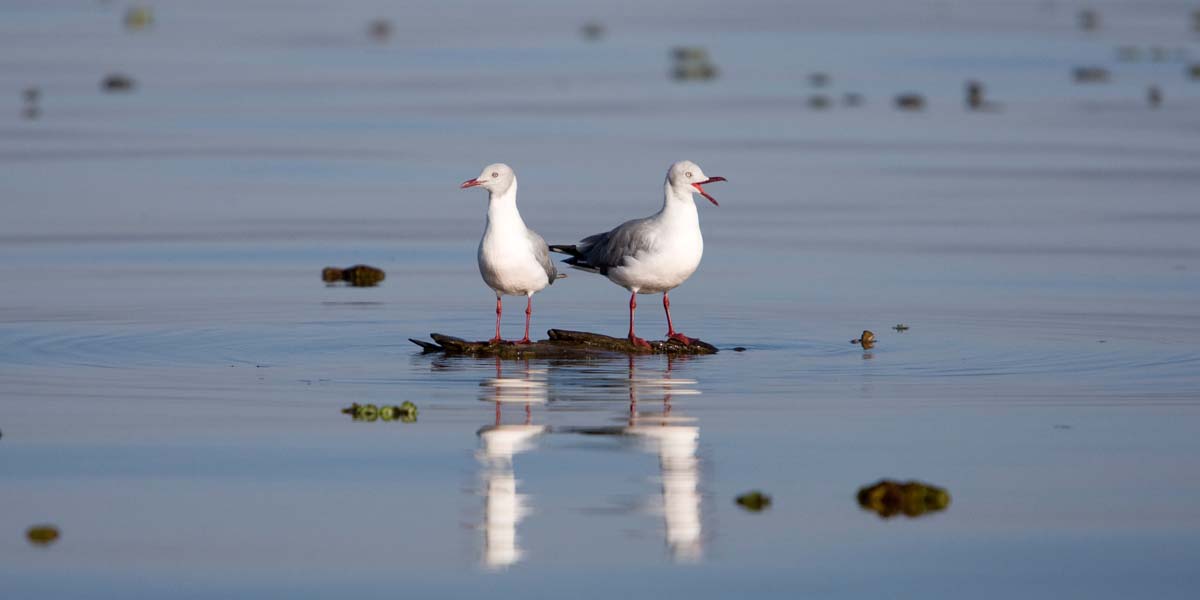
576,258
570,249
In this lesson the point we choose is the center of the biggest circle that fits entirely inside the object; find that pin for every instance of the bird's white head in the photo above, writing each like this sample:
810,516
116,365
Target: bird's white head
686,178
497,178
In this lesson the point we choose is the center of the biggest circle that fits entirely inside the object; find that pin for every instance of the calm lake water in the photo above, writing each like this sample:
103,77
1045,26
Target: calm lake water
172,369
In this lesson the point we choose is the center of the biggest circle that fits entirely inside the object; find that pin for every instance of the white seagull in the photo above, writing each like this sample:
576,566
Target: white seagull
513,259
654,254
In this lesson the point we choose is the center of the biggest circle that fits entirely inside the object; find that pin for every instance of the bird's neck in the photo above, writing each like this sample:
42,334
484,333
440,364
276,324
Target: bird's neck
502,210
679,207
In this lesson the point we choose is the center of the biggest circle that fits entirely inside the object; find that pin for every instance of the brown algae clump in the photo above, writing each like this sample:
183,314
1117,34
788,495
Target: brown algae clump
889,498
356,276
867,339
755,501
42,535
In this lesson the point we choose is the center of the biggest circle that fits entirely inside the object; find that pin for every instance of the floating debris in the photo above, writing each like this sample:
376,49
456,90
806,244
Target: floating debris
1196,20
739,348
138,18
692,63
866,340
1090,74
592,31
974,95
405,413
1089,20
356,276
852,99
755,501
889,498
901,327
380,30
42,535
1154,96
819,79
910,102
1129,54
819,101
1194,71
563,343
117,82
31,95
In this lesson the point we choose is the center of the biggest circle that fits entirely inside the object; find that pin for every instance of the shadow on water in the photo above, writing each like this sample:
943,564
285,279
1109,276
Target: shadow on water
650,425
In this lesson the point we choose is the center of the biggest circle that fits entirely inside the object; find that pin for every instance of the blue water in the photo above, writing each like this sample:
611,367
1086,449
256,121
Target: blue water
172,370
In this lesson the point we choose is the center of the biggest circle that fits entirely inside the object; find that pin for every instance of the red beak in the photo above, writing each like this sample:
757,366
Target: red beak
705,194
468,183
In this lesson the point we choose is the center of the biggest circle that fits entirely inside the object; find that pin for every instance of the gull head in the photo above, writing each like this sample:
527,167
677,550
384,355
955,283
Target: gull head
686,177
496,178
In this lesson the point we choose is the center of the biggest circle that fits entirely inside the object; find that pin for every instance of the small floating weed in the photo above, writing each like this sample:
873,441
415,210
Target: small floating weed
754,501
406,412
42,535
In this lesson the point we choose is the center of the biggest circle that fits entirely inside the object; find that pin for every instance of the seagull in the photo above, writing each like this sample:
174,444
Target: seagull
654,254
513,259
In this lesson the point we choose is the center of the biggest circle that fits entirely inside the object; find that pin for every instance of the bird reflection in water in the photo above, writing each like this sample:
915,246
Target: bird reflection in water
503,506
650,422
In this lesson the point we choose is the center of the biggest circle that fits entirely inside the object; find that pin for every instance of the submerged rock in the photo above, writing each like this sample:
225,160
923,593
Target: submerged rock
889,498
754,501
356,276
42,535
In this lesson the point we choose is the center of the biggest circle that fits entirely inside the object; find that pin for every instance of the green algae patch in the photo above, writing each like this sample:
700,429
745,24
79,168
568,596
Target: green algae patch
889,498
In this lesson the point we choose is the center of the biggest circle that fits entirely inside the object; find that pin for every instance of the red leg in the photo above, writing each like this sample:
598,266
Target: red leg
671,333
497,340
528,314
633,339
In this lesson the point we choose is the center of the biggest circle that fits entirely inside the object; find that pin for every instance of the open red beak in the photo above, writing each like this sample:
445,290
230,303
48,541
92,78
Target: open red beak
472,183
701,190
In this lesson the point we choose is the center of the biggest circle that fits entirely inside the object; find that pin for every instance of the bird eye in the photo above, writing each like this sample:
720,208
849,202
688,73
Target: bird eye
495,174
689,174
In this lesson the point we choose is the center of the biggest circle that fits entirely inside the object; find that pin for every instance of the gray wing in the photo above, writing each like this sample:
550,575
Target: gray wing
542,252
607,250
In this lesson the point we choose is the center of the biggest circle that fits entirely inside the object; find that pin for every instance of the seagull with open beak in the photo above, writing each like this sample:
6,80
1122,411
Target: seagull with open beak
654,254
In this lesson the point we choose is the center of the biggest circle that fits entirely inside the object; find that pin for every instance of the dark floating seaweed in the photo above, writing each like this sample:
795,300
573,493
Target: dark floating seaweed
356,276
562,343
755,501
889,498
42,535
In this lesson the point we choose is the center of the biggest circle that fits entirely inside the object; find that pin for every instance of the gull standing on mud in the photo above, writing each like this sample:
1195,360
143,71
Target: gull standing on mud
654,254
513,259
